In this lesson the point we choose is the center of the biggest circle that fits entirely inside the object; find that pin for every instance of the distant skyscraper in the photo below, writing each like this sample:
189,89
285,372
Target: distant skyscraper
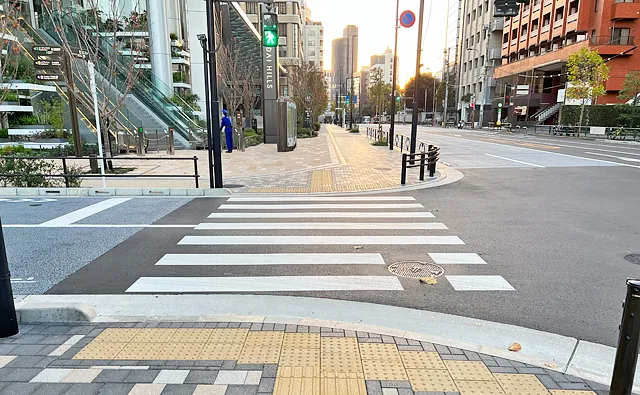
350,33
384,62
339,64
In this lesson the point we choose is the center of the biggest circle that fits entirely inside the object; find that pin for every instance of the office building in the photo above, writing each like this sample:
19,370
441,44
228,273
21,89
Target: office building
314,43
384,62
480,51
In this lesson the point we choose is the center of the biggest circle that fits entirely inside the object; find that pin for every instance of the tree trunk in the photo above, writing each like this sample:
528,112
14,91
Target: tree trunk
581,114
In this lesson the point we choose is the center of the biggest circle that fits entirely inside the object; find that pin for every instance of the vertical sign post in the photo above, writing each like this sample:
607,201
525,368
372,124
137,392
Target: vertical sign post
270,80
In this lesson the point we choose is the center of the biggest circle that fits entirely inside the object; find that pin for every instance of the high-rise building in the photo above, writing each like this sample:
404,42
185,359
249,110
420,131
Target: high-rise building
314,43
365,76
451,54
480,51
537,43
384,62
350,33
339,66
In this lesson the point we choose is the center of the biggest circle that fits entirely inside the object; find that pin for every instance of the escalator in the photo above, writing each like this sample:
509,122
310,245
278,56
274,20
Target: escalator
146,95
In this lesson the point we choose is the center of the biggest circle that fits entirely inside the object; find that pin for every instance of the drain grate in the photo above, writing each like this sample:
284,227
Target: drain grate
416,269
633,258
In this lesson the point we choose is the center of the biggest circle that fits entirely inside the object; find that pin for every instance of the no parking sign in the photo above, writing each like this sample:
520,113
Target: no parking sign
407,18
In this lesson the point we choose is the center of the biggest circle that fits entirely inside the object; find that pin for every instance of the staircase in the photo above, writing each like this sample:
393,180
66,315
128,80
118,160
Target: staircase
544,114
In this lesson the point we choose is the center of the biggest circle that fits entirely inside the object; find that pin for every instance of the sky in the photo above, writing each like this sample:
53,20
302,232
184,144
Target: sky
375,20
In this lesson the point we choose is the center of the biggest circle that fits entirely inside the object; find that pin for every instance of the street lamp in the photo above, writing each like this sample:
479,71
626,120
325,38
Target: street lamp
350,43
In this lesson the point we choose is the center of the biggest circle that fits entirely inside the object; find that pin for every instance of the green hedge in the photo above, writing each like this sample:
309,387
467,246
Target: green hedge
601,115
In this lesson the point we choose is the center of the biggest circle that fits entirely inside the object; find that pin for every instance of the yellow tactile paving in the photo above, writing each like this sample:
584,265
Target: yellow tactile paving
375,369
343,345
264,339
142,351
340,364
322,181
153,335
99,350
421,360
571,392
297,386
469,370
300,357
479,387
379,351
117,335
342,386
301,340
259,354
220,352
224,335
431,380
190,335
520,384
181,351
298,371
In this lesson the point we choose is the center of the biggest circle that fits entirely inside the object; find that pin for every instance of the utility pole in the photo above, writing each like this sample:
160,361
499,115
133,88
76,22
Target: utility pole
214,117
205,57
394,82
414,119
445,74
351,97
433,112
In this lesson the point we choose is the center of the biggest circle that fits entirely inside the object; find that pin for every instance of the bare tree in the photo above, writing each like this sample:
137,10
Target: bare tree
231,70
96,32
308,89
250,91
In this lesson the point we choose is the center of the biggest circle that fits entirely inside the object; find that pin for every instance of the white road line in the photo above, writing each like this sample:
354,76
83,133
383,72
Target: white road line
319,225
479,283
265,284
321,199
20,280
336,214
318,206
83,213
319,240
269,259
514,160
97,226
457,259
614,156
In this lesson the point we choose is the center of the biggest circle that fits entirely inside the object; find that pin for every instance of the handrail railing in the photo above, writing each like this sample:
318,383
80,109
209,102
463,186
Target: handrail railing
67,176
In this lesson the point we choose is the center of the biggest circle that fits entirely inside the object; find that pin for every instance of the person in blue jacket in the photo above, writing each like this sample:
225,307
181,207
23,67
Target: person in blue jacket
228,130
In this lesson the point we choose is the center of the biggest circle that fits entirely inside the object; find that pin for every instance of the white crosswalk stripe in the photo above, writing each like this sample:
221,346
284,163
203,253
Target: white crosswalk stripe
320,225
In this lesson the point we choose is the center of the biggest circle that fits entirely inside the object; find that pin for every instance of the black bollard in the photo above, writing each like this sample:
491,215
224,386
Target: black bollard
624,369
8,319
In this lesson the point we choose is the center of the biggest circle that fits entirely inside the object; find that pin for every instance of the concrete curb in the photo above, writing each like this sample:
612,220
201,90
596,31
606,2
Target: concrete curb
54,312
129,192
547,350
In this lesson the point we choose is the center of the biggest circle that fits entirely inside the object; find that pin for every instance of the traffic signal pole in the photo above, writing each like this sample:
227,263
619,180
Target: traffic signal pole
414,119
395,80
214,117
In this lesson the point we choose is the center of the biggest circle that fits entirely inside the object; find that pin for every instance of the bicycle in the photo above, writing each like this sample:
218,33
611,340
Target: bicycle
619,133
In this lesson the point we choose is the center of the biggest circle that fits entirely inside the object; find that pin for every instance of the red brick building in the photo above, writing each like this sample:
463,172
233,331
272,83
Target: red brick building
537,43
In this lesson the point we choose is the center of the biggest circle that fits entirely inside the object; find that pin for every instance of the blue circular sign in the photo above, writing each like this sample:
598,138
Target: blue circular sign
407,18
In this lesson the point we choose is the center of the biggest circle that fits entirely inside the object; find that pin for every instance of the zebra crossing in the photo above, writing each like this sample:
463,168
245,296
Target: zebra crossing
339,238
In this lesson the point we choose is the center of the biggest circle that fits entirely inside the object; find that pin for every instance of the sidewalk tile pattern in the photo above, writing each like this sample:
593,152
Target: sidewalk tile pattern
225,359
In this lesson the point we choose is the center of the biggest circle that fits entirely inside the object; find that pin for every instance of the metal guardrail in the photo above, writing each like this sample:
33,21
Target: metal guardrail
93,163
427,158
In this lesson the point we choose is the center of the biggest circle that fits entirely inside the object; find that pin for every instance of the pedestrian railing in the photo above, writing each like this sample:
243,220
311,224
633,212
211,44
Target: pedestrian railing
401,141
68,176
425,160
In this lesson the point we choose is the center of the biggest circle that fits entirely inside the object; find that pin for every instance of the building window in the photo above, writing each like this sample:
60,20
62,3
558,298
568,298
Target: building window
505,38
480,10
312,43
252,8
282,51
514,34
473,17
311,33
282,29
524,31
477,38
282,8
546,19
482,60
593,33
534,26
559,14
295,41
466,43
312,53
464,67
468,18
573,7
596,10
525,7
620,36
312,63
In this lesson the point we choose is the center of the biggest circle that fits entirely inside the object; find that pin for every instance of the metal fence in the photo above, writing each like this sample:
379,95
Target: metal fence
93,164
401,141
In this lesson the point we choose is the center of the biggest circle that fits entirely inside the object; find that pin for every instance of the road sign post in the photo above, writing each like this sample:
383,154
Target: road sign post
8,318
624,369
414,118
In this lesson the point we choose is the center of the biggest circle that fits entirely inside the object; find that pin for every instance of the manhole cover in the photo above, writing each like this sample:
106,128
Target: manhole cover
633,258
382,168
414,269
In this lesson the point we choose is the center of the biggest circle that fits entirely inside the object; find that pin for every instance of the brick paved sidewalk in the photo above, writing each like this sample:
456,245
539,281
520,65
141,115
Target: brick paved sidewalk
245,358
335,161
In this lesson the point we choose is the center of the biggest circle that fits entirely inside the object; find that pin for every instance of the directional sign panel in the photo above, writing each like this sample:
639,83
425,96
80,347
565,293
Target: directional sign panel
48,77
407,18
46,50
47,64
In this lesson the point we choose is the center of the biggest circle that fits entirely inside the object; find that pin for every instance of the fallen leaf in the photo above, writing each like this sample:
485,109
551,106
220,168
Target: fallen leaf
515,347
551,365
429,280
357,247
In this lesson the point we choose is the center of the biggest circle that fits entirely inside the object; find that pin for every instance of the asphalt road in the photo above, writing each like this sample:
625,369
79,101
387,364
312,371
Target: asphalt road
555,228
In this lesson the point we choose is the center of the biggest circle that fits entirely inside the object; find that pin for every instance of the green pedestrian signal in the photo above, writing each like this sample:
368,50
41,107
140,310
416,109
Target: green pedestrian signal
270,29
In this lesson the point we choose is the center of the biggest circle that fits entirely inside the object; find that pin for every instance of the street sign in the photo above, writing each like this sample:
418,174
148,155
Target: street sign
407,18
48,77
46,50
47,64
